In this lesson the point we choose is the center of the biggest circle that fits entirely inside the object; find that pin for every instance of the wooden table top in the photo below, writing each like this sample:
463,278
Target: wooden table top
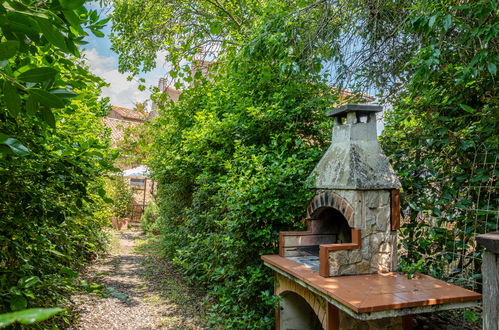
377,292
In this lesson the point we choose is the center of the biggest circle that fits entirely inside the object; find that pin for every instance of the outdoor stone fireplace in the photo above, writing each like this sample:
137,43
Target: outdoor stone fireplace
353,218
343,266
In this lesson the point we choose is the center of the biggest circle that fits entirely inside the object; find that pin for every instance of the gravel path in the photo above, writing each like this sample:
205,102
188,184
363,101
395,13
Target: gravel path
133,288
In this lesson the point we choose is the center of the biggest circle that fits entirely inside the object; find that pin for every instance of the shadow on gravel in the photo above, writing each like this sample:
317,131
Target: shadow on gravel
135,288
188,304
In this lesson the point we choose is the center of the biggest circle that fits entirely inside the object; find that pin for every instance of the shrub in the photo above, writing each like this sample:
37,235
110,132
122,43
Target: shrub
53,154
232,160
149,222
122,195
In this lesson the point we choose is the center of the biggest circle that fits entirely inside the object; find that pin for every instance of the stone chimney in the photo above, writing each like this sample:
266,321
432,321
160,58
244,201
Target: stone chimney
355,159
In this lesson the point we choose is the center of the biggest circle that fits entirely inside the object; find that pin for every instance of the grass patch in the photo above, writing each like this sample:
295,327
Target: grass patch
187,308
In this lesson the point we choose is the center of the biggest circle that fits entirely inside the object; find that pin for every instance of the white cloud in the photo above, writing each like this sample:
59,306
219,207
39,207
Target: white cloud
121,92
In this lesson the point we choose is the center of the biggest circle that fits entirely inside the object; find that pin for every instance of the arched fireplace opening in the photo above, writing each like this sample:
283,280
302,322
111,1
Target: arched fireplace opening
330,221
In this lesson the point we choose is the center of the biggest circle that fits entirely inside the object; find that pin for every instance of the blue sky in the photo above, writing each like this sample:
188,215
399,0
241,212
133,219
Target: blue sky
104,63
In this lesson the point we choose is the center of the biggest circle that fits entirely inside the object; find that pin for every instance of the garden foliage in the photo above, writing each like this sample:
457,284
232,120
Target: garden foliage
122,195
232,160
442,137
53,153
149,222
232,157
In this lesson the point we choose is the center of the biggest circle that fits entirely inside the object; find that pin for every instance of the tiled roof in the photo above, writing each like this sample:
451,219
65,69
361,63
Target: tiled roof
345,94
129,113
117,127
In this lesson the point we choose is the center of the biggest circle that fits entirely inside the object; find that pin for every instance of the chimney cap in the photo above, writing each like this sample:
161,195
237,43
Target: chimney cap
354,108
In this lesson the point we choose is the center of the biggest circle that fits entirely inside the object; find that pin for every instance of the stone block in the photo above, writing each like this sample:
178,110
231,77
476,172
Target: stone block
384,198
384,263
372,199
365,249
357,219
381,262
364,267
340,257
368,231
348,270
370,216
382,218
334,269
375,240
355,256
385,247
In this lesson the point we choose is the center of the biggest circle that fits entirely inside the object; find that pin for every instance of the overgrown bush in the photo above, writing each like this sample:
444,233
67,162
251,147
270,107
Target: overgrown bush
53,152
149,222
232,160
122,195
442,137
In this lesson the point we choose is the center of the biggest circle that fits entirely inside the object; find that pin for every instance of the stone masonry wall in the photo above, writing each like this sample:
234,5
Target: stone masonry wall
378,243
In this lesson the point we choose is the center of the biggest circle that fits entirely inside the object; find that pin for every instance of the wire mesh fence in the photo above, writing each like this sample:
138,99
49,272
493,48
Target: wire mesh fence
480,214
445,235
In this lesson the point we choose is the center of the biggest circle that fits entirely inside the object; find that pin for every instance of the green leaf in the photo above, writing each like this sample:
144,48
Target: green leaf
20,22
467,108
31,105
68,271
28,282
215,28
492,68
52,35
46,98
447,22
74,20
63,93
28,316
57,253
12,98
18,302
48,117
432,20
103,22
15,146
8,49
38,75
116,294
97,33
71,4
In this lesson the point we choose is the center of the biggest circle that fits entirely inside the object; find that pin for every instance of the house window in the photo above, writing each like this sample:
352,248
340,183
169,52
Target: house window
137,183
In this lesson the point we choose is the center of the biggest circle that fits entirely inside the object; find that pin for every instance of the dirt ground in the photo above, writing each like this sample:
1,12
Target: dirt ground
134,288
